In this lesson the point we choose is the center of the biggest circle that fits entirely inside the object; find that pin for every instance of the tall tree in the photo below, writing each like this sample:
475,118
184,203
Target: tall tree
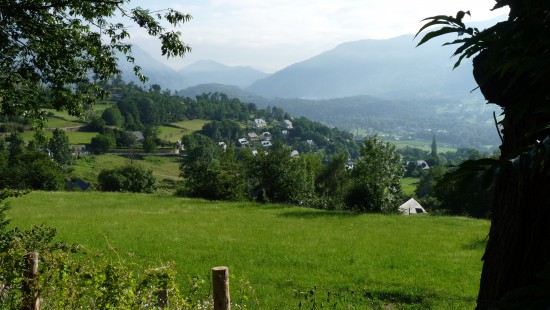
511,65
60,147
376,178
50,49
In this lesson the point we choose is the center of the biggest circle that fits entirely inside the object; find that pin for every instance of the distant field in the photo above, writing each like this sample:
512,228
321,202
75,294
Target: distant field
191,125
409,185
172,134
360,261
78,137
421,144
89,166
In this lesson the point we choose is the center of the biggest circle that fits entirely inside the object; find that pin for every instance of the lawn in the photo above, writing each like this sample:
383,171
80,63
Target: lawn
364,261
89,166
191,126
408,185
421,144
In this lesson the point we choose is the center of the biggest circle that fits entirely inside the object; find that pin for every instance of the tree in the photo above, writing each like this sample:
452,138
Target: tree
60,147
376,178
333,182
511,64
278,177
433,160
102,143
112,117
50,49
129,178
149,145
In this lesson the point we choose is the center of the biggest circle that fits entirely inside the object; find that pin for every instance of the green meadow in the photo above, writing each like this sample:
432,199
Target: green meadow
408,185
89,166
290,255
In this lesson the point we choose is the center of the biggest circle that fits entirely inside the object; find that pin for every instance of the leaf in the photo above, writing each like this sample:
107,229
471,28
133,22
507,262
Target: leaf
438,33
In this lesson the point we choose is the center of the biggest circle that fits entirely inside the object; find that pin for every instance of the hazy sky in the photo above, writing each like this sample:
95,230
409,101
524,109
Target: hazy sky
272,34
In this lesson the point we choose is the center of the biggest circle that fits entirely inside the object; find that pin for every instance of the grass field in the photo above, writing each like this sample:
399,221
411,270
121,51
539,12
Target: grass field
408,185
191,125
365,261
89,166
421,144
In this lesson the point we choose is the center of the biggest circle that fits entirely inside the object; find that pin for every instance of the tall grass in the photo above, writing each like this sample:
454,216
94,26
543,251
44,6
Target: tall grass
286,253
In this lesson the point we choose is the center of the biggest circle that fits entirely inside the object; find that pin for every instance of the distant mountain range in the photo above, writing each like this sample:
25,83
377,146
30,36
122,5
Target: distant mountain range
201,72
391,69
206,71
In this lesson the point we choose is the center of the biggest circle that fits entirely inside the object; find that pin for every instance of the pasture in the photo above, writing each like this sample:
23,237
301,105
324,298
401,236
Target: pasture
290,255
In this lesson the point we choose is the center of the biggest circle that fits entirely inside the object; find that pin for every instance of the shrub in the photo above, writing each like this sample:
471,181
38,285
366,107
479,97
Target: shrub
129,178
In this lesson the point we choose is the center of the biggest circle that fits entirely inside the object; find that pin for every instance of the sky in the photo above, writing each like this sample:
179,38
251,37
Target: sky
272,34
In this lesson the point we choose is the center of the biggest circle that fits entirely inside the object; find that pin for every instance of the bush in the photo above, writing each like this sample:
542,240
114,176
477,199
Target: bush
129,178
103,143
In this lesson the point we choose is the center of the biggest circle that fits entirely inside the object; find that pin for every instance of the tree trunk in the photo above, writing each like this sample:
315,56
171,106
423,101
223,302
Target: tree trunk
518,248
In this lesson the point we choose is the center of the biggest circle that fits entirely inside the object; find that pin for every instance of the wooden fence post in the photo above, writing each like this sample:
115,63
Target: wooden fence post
220,286
31,294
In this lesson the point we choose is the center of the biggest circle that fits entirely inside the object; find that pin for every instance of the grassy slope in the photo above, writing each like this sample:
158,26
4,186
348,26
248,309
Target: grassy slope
278,249
89,166
409,185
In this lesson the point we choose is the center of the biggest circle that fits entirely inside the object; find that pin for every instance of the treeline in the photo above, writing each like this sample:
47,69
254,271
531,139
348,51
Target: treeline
370,184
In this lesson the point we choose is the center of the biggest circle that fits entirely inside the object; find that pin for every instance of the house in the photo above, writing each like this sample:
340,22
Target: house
80,150
349,164
294,153
180,146
252,136
422,164
266,144
310,142
139,136
77,184
242,142
411,207
286,124
265,136
284,132
259,123
222,145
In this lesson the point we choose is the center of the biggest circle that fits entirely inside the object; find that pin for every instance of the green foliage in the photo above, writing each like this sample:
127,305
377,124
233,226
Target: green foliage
376,178
60,147
333,182
21,168
212,175
112,117
129,178
149,145
278,177
49,51
103,143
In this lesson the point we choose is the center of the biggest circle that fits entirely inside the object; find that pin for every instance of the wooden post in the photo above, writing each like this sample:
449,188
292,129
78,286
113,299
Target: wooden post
220,286
31,294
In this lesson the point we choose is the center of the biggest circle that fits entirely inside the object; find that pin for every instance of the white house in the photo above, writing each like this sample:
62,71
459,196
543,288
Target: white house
265,136
286,124
259,123
242,142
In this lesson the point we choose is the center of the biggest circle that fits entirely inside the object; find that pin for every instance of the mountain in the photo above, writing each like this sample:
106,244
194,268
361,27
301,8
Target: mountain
157,72
391,68
207,71
230,90
200,72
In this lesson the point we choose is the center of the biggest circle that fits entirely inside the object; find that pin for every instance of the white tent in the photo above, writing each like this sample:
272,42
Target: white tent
411,207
